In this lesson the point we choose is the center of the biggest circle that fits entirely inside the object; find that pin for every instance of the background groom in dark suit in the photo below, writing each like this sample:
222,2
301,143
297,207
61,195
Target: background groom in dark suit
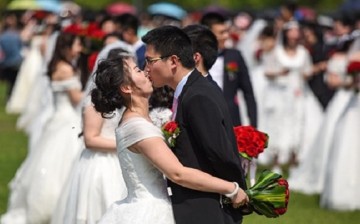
206,140
230,71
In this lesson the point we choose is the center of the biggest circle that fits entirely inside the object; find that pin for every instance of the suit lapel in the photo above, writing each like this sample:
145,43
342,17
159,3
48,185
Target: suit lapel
226,75
195,75
192,78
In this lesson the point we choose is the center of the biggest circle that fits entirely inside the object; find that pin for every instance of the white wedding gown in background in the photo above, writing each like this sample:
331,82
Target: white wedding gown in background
94,184
309,176
147,201
38,183
342,179
29,70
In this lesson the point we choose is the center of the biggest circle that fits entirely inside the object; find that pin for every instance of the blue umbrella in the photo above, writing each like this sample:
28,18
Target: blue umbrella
50,5
167,9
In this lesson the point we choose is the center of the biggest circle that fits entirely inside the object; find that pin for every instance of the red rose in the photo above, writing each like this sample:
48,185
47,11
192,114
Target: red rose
75,29
280,211
353,67
250,141
232,66
171,131
92,60
170,126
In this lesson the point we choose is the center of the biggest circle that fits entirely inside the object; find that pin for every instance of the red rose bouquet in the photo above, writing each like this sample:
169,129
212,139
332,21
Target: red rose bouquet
171,131
269,196
250,142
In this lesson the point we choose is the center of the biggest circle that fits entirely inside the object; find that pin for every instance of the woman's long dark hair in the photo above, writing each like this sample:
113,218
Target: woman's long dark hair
110,75
62,49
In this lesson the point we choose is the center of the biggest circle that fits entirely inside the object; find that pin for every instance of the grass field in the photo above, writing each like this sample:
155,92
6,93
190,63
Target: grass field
302,209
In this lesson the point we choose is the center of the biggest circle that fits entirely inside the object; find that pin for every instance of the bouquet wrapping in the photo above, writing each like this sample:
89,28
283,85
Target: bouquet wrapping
269,196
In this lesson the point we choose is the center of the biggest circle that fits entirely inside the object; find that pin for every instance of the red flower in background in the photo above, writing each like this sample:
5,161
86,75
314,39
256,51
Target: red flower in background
92,60
250,142
75,29
232,66
94,31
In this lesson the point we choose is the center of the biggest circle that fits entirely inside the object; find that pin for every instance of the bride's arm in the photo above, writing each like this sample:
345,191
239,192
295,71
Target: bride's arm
156,150
92,131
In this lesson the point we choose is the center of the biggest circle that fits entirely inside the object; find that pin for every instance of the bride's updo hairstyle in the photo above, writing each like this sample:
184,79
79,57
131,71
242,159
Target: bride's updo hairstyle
110,75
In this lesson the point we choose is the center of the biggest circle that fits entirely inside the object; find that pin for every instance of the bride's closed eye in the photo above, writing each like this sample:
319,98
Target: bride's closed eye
137,69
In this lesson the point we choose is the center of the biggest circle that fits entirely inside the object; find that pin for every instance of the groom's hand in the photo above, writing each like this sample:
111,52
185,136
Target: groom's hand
240,199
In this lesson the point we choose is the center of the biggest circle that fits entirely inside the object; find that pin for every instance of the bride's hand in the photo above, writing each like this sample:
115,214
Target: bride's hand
240,199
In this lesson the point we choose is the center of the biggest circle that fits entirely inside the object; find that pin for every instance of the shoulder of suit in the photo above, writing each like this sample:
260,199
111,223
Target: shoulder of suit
232,51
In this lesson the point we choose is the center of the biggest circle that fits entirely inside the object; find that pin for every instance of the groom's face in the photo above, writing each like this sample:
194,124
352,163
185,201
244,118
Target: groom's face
156,67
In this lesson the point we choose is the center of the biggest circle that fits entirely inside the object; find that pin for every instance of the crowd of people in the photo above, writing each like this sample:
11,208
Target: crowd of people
93,91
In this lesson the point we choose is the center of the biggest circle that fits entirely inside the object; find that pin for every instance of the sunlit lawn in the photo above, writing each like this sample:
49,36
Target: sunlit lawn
302,209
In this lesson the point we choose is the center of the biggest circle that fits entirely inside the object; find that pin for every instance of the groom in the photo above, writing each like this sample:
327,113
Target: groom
206,139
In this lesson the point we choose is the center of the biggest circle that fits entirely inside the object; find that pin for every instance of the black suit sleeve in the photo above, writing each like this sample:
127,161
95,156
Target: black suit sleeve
244,83
207,123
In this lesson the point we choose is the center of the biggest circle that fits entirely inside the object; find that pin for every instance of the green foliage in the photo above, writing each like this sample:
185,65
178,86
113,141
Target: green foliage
13,148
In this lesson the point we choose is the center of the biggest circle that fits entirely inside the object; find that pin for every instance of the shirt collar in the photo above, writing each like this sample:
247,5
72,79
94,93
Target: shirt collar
181,85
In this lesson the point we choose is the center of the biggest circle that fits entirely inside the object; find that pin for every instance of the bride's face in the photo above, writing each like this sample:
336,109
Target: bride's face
141,83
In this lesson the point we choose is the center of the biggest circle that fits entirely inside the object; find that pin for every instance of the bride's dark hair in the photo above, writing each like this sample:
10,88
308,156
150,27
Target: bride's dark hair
110,75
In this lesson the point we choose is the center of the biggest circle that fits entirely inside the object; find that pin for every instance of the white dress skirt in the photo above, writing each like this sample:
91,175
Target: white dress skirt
342,179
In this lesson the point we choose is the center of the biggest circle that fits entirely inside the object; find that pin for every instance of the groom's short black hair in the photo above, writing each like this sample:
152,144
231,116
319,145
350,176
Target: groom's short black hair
171,40
204,42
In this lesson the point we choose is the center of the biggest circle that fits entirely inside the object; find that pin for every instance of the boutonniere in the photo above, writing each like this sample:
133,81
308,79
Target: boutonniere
231,68
171,131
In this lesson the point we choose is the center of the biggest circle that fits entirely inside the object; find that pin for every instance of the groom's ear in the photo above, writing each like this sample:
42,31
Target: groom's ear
175,60
197,57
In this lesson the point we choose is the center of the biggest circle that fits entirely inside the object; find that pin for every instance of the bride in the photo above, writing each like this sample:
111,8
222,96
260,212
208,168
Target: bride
143,153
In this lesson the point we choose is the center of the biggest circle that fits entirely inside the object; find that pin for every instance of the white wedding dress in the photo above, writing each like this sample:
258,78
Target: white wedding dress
38,183
94,184
147,201
342,179
29,70
284,101
309,176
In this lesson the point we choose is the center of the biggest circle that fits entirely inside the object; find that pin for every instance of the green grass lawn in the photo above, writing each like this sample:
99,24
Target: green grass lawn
302,209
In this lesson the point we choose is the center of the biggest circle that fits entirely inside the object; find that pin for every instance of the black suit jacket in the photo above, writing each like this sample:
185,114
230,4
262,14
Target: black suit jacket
239,80
206,142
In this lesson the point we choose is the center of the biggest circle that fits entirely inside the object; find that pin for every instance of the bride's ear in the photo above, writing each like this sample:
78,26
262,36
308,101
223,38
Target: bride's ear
125,89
